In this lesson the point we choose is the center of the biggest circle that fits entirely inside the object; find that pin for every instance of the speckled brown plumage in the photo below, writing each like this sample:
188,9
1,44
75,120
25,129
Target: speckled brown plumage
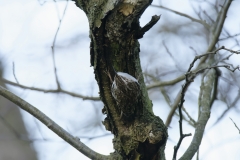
126,91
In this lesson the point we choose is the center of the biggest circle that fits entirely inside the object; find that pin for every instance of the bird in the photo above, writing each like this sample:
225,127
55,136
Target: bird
125,90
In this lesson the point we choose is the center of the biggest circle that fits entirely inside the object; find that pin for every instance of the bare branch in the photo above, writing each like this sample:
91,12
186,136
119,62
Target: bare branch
171,55
207,85
166,83
184,15
14,74
59,89
52,91
74,141
212,53
203,55
235,125
218,66
232,51
189,77
54,42
173,109
179,106
204,115
209,17
236,99
167,99
148,26
190,117
180,78
230,36
216,29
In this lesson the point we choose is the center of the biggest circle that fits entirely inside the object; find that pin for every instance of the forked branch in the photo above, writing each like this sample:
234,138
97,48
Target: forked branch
205,97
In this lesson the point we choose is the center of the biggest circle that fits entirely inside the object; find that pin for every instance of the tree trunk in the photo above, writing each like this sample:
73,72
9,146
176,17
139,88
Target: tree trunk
114,32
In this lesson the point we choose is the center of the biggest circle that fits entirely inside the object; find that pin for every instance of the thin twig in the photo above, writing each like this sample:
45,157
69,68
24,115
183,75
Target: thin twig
216,29
218,66
165,95
215,33
166,83
59,89
204,115
189,77
54,43
173,109
180,78
203,55
230,36
192,74
206,96
209,17
182,136
237,98
52,91
190,117
184,15
235,125
205,101
171,55
14,74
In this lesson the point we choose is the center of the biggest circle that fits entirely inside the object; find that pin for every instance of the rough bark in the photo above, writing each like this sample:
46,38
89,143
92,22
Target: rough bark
114,32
